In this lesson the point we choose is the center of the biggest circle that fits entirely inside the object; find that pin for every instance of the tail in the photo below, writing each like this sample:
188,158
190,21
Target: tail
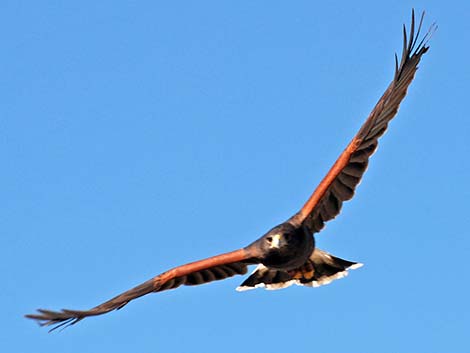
321,268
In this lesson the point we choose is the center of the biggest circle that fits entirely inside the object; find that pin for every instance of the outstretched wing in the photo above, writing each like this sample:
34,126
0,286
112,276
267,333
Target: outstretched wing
199,272
340,182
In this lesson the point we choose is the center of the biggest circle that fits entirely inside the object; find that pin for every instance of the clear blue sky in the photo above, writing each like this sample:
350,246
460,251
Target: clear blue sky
136,136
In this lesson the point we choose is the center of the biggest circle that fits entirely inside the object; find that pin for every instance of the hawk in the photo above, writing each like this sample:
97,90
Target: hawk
286,254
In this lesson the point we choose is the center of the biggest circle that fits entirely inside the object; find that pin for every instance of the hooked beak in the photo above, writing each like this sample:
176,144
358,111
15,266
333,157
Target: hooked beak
276,242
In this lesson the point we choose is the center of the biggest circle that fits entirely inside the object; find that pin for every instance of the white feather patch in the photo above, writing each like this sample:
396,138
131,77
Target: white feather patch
274,286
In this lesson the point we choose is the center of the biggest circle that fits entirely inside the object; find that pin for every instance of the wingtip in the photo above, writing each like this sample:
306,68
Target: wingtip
56,319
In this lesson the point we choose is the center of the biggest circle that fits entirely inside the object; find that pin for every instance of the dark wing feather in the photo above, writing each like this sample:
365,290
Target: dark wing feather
211,269
341,181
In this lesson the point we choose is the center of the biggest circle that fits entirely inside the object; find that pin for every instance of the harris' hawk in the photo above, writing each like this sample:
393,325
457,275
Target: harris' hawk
287,254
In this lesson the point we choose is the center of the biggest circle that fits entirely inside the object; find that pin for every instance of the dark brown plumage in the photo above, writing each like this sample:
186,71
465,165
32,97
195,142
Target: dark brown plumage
286,254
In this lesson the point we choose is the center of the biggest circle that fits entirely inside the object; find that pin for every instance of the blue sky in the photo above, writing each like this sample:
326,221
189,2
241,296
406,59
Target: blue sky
137,136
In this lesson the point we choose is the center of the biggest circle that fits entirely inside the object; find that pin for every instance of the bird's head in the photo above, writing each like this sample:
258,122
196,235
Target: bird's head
276,240
280,238
284,245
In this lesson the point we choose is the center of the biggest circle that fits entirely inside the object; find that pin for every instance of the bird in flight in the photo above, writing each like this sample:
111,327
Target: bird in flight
286,254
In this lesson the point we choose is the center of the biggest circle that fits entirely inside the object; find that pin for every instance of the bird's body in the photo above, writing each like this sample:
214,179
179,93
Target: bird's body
286,254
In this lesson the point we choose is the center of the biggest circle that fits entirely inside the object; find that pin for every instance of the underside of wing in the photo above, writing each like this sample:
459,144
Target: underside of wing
211,269
340,183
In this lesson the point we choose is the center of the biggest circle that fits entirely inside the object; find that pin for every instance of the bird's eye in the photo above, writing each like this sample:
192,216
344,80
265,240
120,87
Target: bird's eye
269,239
